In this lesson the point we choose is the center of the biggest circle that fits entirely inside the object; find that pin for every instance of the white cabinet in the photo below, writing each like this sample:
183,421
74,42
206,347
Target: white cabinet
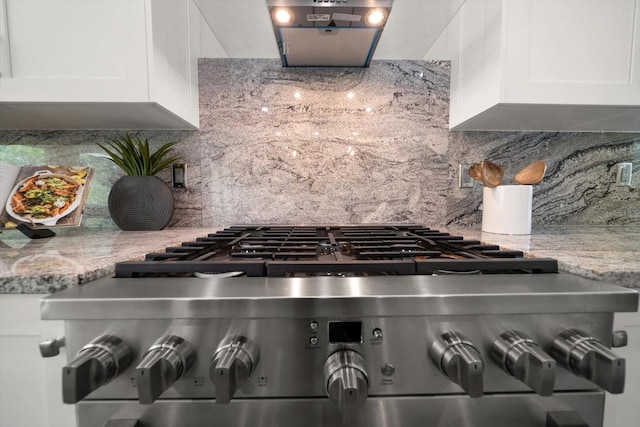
622,410
30,386
571,65
74,51
99,64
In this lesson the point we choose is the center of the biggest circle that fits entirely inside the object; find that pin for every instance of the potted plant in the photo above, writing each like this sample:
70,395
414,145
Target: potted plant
140,200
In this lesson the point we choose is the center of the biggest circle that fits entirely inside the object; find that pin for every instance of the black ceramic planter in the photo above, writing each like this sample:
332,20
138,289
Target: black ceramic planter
141,203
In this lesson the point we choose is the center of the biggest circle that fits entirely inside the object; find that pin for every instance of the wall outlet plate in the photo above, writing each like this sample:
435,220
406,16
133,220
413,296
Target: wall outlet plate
623,174
464,180
179,175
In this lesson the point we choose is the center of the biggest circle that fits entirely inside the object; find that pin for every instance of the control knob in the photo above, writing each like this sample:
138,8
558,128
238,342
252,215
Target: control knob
519,356
162,365
346,380
233,363
94,365
586,357
51,347
458,359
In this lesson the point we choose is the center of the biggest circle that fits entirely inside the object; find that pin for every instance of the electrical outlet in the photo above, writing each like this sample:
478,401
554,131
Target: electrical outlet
179,175
464,180
623,175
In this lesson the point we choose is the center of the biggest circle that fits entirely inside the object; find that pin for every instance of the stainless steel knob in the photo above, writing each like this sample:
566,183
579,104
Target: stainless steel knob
619,339
233,363
96,364
586,357
347,383
50,348
519,356
163,364
458,359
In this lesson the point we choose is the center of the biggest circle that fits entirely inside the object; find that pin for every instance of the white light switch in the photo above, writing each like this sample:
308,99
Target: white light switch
464,180
624,172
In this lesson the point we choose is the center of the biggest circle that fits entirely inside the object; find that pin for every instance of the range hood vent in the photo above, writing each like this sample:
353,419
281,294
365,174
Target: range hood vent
328,33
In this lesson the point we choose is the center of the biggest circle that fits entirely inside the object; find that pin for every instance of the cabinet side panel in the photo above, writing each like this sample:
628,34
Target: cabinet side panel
622,410
30,386
171,62
476,60
5,57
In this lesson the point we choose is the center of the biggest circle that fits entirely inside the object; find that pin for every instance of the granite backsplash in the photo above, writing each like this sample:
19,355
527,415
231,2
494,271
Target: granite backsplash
346,145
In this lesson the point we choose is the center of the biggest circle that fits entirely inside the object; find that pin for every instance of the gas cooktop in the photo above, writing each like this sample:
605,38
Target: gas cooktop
332,250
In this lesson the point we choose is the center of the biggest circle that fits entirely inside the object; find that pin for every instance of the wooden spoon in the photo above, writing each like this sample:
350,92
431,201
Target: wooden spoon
531,174
475,171
492,174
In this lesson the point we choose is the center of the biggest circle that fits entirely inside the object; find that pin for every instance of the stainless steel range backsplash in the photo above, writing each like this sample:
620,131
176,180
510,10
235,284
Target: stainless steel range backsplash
344,145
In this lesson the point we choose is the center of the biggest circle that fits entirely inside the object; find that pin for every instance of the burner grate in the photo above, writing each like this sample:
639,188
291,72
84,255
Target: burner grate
333,250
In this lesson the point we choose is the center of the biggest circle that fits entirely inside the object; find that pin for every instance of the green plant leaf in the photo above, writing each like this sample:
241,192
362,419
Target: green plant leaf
134,157
144,154
163,165
162,151
115,158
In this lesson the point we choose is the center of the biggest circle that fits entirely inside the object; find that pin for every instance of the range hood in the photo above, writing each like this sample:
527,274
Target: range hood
328,33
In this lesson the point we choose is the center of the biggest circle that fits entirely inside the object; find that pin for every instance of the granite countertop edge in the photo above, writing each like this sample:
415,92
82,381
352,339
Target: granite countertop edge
105,248
620,267
605,253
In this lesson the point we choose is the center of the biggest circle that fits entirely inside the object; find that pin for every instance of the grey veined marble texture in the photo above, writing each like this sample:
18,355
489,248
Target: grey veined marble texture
324,145
579,187
344,145
348,145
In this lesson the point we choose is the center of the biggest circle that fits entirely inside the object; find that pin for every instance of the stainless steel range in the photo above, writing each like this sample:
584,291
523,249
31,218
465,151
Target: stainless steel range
394,325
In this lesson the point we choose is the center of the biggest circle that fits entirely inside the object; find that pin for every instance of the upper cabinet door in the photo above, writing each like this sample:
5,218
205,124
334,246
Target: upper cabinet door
550,65
572,51
73,51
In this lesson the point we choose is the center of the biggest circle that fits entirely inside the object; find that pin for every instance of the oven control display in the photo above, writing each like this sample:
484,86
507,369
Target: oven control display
345,332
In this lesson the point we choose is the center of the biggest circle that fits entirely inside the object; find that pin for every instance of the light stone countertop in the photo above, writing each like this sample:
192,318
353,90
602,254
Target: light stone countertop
79,255
607,253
